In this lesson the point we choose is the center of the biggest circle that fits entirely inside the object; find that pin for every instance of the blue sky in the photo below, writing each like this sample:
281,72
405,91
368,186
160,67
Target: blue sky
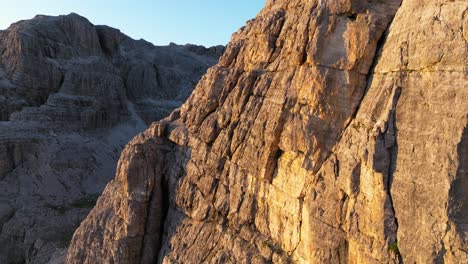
205,22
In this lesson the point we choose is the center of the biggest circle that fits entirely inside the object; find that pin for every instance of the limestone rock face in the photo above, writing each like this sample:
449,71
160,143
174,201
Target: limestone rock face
329,132
71,96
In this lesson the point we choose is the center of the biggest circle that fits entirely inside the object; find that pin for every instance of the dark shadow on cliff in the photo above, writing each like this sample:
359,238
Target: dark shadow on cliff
385,162
458,200
173,215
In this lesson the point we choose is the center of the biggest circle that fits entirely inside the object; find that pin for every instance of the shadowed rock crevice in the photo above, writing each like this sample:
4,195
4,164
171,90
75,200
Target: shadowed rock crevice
370,75
134,225
385,162
458,206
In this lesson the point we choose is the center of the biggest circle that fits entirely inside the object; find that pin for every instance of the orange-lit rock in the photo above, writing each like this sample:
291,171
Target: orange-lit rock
330,132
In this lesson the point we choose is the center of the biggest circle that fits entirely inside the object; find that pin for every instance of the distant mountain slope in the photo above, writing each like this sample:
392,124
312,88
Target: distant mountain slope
71,96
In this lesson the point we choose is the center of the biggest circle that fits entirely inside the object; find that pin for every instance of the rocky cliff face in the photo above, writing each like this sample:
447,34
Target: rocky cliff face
71,96
329,132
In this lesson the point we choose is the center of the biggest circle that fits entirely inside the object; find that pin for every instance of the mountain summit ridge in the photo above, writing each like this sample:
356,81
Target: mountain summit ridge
71,96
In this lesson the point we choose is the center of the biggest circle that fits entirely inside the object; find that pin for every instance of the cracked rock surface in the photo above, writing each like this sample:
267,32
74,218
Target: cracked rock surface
329,132
71,97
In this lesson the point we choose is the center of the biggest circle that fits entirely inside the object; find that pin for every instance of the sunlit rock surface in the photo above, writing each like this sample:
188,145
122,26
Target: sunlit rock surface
329,132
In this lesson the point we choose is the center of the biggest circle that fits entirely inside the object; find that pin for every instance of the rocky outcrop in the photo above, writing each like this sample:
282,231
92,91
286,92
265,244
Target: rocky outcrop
71,96
329,132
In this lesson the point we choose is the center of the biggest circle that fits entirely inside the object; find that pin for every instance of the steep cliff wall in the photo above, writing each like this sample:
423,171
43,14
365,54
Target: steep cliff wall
329,132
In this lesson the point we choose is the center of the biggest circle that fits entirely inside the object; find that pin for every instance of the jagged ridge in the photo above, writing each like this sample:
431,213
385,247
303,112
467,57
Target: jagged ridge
71,96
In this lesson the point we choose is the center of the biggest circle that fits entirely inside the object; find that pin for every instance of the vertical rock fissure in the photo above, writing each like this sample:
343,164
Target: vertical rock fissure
146,239
160,196
165,212
276,151
393,152
303,58
158,208
371,71
369,78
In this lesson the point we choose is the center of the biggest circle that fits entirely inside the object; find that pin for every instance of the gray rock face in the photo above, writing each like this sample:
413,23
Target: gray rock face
71,96
329,132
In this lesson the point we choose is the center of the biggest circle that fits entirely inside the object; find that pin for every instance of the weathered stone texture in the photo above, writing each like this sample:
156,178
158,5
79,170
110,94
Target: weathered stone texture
329,132
71,96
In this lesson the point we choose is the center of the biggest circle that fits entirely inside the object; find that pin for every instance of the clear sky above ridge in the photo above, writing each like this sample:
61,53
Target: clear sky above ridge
204,22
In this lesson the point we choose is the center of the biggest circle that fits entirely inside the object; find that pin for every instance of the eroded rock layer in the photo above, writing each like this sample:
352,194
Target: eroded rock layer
329,132
71,96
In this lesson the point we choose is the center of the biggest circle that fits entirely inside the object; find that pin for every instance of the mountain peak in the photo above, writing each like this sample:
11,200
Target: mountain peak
71,96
